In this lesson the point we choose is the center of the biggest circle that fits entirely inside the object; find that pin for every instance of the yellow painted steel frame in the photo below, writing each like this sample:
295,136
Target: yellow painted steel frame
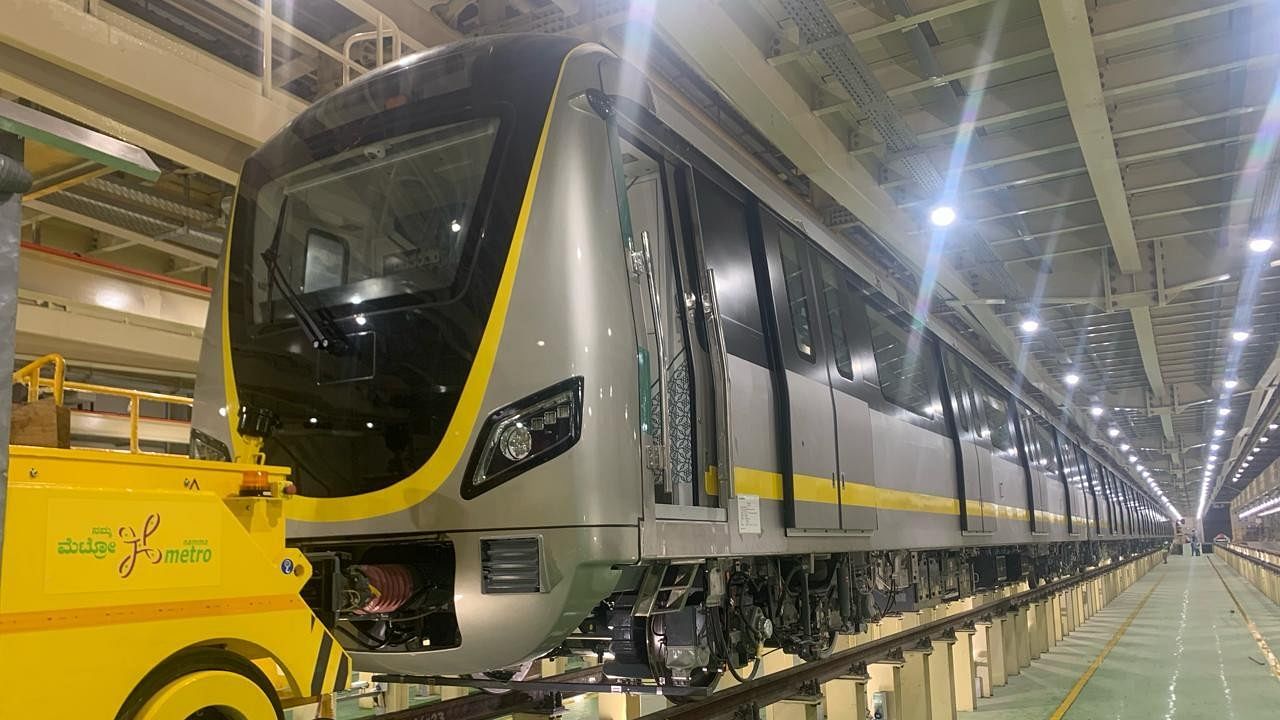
125,571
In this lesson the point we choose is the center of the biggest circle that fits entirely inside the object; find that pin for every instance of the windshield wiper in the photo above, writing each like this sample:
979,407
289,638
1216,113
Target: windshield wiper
319,327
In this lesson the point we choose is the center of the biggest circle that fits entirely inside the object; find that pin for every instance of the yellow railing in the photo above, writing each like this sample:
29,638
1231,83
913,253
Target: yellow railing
33,377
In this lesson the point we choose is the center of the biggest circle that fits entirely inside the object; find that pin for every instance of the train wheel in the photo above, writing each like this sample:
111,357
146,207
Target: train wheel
705,678
203,684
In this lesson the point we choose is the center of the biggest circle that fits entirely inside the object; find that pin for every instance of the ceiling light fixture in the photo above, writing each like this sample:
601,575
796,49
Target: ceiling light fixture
1030,325
1113,432
1230,384
1071,379
1124,447
1096,411
1260,244
1224,411
1240,335
942,215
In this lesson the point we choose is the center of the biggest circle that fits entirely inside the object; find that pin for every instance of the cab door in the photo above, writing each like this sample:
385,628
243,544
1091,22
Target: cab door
683,412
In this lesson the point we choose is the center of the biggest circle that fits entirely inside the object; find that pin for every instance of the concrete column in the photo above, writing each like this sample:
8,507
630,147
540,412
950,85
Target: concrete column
942,691
964,669
772,663
1023,630
451,692
846,698
618,706
396,697
1039,629
998,644
1009,636
983,665
1055,619
885,683
553,666
915,703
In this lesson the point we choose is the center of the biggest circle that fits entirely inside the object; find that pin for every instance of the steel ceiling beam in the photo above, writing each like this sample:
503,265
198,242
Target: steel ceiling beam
931,109
1135,132
422,28
164,246
715,45
1067,24
902,24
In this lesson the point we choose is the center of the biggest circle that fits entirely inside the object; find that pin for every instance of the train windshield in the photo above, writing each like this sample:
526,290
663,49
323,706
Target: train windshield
375,224
366,247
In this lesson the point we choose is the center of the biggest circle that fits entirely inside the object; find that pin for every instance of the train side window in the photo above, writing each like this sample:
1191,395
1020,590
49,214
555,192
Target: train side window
726,247
994,403
905,361
797,291
1044,438
834,300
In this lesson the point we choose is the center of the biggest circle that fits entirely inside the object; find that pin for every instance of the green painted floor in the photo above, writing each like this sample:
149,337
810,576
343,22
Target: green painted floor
1187,655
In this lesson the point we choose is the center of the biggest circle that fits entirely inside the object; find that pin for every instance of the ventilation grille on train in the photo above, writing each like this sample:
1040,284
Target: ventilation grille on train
510,565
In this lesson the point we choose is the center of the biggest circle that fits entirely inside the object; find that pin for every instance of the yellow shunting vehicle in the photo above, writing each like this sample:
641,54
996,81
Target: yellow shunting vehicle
153,586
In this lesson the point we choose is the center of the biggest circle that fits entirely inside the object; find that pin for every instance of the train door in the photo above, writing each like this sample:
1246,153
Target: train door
811,482
1091,489
852,378
1113,509
1074,500
974,460
1035,460
680,421
997,429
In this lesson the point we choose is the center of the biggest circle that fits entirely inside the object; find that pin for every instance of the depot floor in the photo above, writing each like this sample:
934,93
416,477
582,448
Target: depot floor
1187,654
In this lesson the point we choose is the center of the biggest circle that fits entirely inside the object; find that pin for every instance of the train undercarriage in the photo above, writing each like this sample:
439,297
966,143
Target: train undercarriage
681,623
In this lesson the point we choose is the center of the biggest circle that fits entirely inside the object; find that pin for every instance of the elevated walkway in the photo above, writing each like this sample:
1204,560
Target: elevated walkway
1175,645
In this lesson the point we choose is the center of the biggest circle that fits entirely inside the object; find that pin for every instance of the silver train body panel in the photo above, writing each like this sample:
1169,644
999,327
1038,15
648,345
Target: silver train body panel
593,508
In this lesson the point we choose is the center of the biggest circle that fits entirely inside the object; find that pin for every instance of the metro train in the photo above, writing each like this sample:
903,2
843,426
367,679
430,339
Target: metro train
556,371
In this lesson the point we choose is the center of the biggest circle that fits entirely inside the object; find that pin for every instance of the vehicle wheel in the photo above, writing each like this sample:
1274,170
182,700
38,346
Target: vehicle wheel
705,678
203,684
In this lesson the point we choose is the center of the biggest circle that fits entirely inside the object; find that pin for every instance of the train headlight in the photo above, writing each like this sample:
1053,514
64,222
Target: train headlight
516,442
523,435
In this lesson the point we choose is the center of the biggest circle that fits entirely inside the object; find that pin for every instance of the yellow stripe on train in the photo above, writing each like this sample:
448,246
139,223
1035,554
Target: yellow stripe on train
808,488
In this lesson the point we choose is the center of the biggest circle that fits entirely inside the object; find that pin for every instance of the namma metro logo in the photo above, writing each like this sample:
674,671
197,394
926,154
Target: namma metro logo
138,547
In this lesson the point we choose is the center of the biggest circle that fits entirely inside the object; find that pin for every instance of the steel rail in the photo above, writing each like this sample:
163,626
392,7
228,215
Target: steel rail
852,662
485,706
1268,566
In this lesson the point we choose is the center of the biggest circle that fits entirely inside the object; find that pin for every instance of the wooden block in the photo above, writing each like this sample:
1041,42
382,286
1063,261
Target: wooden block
41,423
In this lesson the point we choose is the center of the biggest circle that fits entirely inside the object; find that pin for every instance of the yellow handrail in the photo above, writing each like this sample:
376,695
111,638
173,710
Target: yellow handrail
30,375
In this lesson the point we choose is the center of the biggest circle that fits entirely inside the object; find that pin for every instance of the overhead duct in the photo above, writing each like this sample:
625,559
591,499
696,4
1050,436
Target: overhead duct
820,30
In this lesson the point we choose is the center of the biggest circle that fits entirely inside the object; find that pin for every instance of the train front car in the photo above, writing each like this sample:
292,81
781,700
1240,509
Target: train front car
426,314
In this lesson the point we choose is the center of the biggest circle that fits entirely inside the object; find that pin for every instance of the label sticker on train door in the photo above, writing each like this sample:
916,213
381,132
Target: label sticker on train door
749,514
